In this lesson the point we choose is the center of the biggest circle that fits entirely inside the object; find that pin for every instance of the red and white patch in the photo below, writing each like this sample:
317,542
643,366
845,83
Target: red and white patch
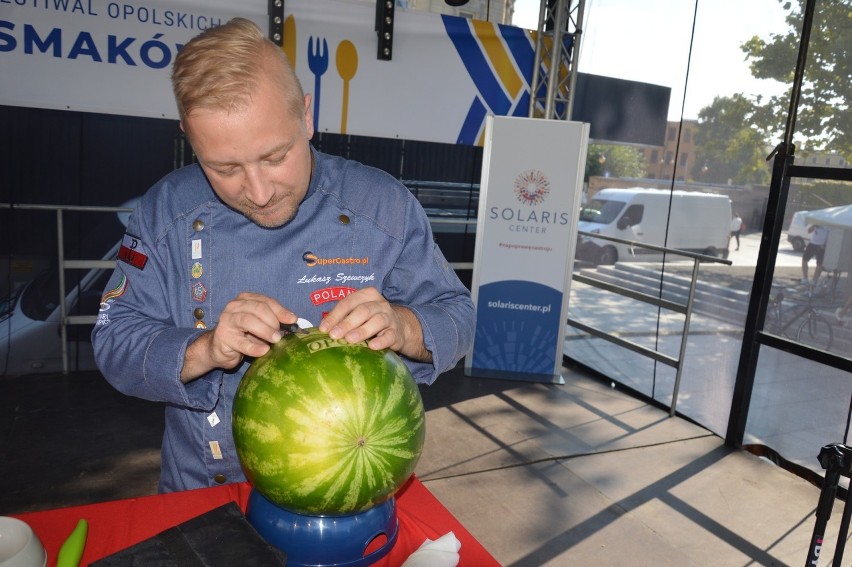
326,294
132,251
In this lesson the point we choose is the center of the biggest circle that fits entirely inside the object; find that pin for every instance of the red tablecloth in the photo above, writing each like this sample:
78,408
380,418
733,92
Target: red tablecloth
116,525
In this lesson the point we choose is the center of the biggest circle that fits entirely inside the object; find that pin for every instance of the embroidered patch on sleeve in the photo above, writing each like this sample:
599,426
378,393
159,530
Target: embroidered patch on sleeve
132,252
108,298
115,292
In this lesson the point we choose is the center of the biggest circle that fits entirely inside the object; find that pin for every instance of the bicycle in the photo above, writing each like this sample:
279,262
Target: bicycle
813,329
826,286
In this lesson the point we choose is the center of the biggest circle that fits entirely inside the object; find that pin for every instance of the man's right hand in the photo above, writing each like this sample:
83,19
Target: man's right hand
247,326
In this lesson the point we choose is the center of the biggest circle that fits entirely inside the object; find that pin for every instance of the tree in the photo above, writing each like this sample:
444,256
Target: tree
728,147
823,117
610,160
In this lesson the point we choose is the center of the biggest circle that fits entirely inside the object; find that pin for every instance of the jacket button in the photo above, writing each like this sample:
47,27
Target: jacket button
198,312
198,225
343,219
219,478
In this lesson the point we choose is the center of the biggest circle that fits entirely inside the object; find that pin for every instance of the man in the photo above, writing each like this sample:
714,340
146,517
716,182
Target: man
736,229
814,249
262,231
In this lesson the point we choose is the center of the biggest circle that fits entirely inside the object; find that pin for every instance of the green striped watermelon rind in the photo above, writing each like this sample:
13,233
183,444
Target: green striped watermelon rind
324,427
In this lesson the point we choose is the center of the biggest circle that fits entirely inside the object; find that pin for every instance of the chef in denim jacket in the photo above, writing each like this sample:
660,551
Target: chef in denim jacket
262,231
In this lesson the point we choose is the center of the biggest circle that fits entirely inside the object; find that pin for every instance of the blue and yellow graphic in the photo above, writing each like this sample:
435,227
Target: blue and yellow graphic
499,60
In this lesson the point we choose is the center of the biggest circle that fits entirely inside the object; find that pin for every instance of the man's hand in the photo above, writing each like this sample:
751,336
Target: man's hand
246,327
365,315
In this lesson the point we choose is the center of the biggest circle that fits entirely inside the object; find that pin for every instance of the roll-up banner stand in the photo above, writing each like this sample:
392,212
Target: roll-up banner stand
529,202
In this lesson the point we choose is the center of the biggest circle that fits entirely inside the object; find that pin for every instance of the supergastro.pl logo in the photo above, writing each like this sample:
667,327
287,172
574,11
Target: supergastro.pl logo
312,259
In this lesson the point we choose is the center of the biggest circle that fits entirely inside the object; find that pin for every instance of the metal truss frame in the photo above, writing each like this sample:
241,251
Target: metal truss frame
558,44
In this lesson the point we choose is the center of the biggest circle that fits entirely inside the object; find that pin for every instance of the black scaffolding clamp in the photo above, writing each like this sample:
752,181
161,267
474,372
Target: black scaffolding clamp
384,28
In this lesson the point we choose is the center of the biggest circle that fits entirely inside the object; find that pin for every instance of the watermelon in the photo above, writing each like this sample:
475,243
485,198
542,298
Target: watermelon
323,427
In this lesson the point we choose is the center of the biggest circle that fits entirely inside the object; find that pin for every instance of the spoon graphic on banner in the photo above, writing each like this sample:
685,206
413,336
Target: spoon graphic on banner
347,65
290,39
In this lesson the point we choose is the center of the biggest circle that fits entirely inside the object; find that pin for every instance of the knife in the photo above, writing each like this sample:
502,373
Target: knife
292,329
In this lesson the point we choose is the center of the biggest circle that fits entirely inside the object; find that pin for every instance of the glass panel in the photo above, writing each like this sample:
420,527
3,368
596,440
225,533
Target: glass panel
709,369
713,345
626,318
811,283
797,407
728,108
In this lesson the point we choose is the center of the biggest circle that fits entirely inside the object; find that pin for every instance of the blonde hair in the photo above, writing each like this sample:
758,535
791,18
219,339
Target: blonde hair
221,67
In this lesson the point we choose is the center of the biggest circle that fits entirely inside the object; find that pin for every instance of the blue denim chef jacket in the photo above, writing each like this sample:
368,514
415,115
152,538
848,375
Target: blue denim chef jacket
187,255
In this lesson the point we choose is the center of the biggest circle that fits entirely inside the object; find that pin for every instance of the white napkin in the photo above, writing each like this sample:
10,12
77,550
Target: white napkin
443,552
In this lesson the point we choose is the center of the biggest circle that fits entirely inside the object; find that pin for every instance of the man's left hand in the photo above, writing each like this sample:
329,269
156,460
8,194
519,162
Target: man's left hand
365,315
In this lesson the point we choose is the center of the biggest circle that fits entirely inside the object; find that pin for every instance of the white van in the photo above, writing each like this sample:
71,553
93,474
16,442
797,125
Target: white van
797,233
699,222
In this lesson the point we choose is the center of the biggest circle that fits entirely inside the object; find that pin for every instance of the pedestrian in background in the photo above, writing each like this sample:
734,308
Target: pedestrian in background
814,249
737,227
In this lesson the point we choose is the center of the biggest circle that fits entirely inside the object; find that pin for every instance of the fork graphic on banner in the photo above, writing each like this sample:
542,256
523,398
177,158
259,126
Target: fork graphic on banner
318,64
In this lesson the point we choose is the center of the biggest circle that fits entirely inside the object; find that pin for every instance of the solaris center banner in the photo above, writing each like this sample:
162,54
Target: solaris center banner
526,235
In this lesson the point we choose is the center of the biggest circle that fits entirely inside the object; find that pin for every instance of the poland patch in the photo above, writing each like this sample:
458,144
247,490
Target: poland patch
326,294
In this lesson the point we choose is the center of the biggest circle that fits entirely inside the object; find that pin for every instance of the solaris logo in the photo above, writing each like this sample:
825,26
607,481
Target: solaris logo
531,187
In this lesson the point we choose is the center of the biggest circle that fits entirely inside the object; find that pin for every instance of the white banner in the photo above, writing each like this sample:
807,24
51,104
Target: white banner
103,56
525,239
447,73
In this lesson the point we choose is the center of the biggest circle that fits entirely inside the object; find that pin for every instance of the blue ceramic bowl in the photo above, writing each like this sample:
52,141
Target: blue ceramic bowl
324,541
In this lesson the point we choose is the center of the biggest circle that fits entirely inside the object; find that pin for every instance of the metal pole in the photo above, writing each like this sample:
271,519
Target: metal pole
798,77
843,532
575,59
555,56
836,459
683,339
823,512
63,331
537,61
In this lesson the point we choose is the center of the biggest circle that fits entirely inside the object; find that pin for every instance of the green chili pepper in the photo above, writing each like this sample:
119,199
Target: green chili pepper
72,550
